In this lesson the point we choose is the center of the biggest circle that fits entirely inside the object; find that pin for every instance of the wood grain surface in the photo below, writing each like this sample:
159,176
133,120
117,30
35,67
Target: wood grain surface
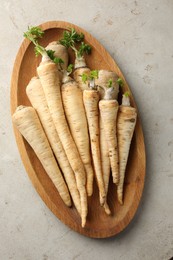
98,225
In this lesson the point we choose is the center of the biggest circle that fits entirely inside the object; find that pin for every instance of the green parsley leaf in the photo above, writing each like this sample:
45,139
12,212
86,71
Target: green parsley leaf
70,38
70,69
39,50
120,82
50,53
84,48
93,74
84,77
127,94
58,61
109,85
33,33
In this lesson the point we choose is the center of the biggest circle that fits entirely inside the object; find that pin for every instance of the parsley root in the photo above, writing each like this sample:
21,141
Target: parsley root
105,163
125,128
91,100
28,124
108,110
75,113
108,89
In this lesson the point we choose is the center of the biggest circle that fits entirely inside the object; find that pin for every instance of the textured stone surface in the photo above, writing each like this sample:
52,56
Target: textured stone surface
139,35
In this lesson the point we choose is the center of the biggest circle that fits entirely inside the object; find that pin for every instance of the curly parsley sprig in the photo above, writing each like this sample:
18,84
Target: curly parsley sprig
33,34
71,38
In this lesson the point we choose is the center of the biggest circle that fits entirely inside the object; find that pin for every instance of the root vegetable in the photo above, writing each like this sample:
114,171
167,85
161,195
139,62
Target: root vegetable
69,39
91,99
28,124
51,84
72,97
108,111
105,162
125,128
76,117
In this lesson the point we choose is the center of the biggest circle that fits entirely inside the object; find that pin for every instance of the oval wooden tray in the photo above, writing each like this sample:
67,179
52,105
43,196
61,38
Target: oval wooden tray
98,225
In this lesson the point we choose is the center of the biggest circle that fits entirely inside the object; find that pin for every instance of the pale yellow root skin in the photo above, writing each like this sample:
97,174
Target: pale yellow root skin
60,51
50,81
72,97
125,129
108,111
91,99
27,122
37,98
103,78
105,162
77,75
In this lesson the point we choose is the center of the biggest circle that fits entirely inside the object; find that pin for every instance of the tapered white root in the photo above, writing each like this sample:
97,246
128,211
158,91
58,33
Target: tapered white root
125,128
91,99
28,124
108,111
50,81
72,97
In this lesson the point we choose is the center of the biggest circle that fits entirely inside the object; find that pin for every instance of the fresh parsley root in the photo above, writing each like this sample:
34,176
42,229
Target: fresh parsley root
91,99
125,128
51,83
108,111
72,97
27,122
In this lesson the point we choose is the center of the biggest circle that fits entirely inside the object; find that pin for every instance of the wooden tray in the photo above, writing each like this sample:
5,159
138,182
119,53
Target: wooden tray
98,225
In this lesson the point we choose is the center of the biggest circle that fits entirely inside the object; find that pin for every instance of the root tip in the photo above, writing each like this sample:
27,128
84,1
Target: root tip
90,193
116,181
107,209
120,201
102,200
83,222
69,204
